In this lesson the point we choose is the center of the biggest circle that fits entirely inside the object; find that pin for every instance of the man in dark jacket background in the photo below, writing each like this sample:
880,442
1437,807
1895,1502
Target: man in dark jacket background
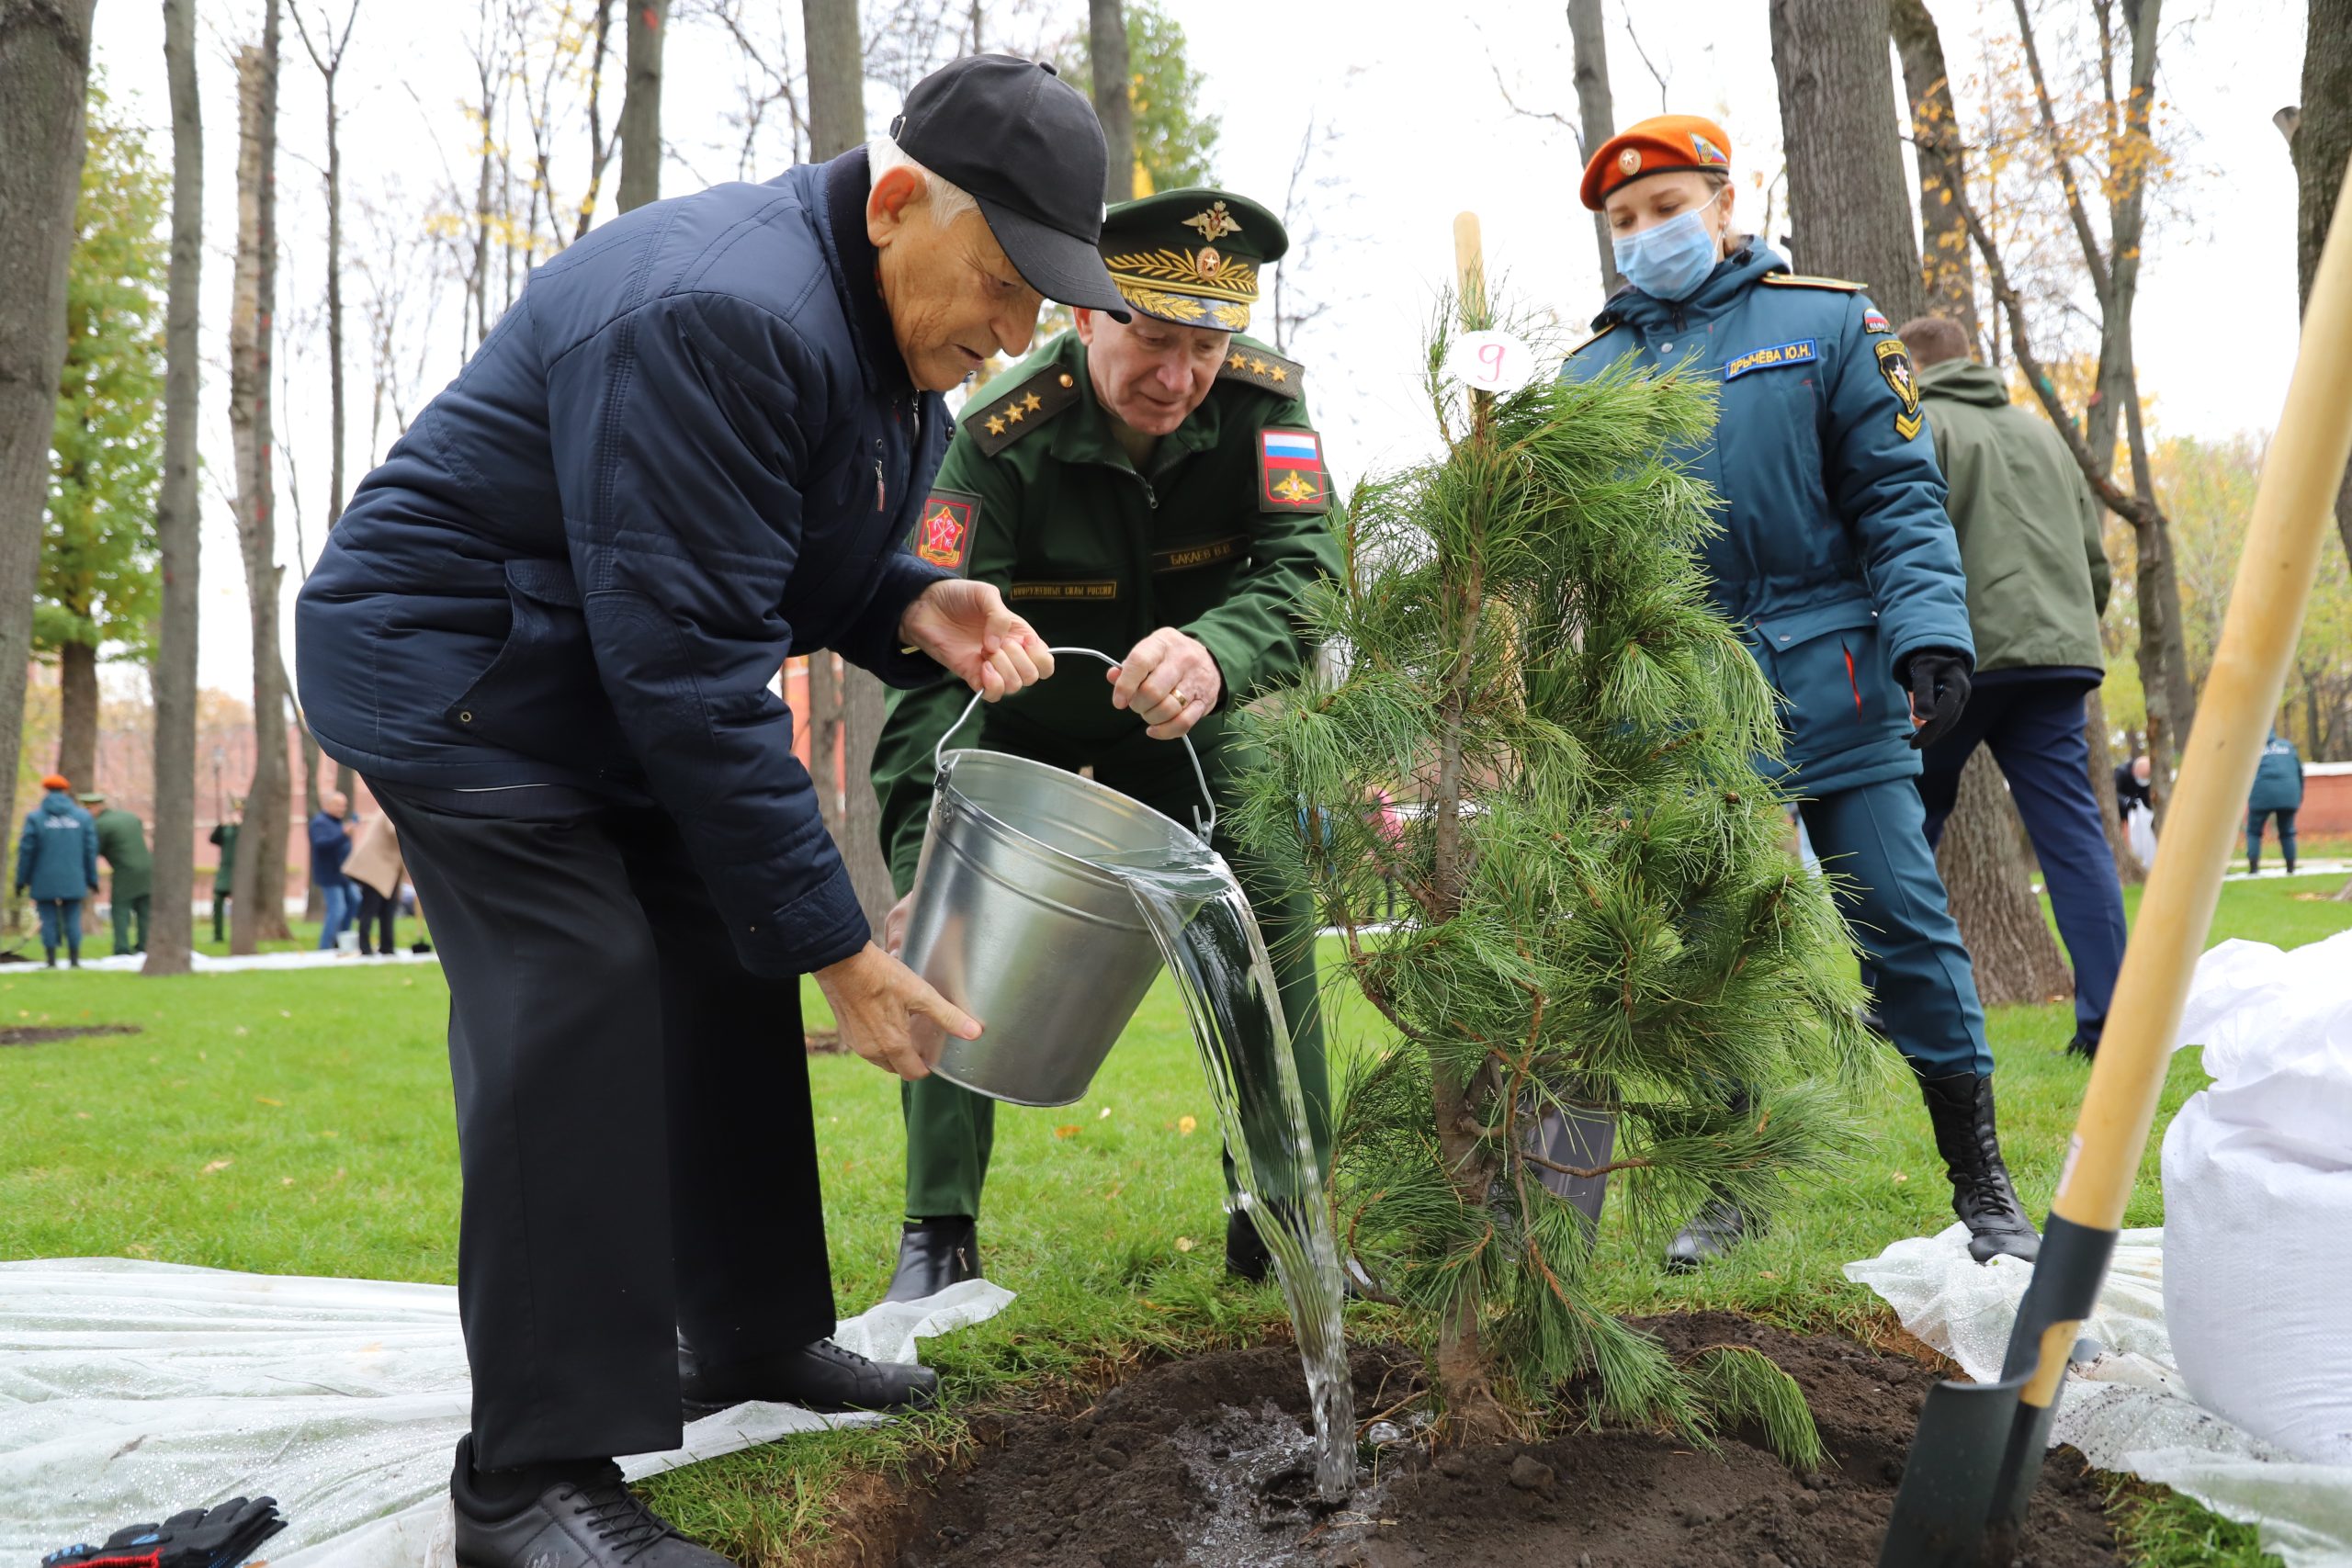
547,631
330,847
57,863
2278,793
2029,530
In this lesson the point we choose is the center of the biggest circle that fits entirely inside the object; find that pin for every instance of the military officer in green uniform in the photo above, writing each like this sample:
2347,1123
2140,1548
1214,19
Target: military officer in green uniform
122,842
1155,491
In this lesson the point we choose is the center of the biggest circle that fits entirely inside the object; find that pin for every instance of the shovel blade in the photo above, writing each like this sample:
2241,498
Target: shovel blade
1947,1498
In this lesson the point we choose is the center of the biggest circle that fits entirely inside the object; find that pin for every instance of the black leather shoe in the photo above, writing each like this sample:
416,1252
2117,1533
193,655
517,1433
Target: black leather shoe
579,1515
1960,1108
822,1376
1714,1230
2082,1045
933,1254
1246,1257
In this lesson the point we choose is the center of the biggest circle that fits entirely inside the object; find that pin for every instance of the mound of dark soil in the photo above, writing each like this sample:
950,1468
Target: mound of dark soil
1202,1461
48,1036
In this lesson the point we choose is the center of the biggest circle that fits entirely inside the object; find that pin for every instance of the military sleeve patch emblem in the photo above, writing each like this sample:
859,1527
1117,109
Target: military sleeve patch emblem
1873,322
1290,471
1894,365
944,533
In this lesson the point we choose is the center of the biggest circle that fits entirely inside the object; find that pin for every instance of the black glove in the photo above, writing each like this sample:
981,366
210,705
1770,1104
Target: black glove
200,1538
1938,683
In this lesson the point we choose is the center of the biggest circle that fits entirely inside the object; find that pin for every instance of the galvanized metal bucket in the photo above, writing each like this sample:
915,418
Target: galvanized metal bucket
1015,920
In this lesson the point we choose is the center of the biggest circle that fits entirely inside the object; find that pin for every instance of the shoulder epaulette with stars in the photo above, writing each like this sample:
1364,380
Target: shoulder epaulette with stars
1799,280
1261,366
1005,419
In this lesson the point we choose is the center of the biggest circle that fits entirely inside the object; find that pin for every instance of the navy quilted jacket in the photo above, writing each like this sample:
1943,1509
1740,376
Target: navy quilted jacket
689,450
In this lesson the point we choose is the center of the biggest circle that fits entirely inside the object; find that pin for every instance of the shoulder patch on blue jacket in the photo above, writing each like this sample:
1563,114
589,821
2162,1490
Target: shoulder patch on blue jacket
1799,280
999,423
1803,351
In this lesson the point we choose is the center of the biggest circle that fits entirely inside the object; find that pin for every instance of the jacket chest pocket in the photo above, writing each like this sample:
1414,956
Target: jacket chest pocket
1829,668
541,696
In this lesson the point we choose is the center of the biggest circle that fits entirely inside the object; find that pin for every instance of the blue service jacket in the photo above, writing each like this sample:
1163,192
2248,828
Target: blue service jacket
1835,557
2277,777
57,854
689,450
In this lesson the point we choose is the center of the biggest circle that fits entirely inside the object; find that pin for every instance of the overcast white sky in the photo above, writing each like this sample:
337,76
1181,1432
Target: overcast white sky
1421,132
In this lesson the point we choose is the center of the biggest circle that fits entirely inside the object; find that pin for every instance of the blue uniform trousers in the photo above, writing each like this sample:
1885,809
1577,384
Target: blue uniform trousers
60,922
1872,836
2035,728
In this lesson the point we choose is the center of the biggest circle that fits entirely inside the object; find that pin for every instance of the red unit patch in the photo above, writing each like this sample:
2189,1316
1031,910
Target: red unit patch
943,537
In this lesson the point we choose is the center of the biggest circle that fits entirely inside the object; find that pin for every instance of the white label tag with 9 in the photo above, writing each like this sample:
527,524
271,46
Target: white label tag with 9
1490,362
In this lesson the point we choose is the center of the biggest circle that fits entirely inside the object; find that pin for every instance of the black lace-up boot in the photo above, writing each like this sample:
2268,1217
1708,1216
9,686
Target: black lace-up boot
1961,1107
575,1514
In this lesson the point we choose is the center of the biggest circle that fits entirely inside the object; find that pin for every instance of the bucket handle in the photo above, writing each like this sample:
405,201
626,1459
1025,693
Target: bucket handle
1204,825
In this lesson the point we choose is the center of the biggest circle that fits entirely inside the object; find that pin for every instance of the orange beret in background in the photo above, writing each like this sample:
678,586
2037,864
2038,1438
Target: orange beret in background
56,780
1653,147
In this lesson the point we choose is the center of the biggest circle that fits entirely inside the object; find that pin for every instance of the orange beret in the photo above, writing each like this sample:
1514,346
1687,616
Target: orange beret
56,780
1654,146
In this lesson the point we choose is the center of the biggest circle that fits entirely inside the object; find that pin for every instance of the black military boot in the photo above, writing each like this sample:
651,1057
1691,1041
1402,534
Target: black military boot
575,1515
933,1254
819,1376
1960,1108
1246,1256
1714,1230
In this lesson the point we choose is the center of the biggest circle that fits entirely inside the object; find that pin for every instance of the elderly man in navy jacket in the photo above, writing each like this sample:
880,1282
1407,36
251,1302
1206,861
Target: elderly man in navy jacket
546,631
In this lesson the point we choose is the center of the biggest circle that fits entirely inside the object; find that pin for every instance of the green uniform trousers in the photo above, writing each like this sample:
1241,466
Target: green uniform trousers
950,1131
128,914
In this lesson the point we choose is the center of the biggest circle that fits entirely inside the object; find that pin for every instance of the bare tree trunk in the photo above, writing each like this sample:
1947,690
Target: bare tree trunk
170,931
1596,114
44,74
836,78
2128,868
641,128
1849,213
2322,143
259,878
1106,35
1948,275
77,714
1982,861
825,739
600,146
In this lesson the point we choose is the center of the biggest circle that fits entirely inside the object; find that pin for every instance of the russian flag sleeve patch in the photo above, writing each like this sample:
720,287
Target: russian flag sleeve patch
1290,471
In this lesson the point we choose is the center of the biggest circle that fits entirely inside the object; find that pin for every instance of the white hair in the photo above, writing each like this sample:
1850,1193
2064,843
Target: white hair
948,200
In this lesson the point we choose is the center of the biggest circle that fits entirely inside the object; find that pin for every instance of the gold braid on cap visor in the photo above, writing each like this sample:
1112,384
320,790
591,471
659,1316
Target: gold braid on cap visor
1202,287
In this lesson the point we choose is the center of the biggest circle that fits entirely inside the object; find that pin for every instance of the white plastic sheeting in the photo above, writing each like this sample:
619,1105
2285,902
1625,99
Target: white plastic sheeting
130,1390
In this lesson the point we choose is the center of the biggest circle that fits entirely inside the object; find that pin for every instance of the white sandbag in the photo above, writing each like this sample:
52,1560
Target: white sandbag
130,1390
2257,1175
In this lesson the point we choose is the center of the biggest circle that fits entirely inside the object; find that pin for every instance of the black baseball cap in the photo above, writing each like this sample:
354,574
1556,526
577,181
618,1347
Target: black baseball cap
1028,148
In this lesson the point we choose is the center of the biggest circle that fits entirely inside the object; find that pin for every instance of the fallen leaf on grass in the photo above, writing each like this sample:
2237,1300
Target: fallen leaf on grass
1103,1114
1183,1244
283,1013
265,1099
241,1028
81,1116
218,1164
1184,1126
1900,1176
285,1181
1067,1130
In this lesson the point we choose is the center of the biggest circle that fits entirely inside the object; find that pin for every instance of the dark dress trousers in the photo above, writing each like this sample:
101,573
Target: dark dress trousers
545,630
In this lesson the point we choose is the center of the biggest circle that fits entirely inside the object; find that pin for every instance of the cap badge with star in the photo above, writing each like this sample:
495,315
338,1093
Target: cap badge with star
1192,257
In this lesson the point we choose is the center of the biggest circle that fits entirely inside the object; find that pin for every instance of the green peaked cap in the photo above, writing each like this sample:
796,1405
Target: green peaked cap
1192,257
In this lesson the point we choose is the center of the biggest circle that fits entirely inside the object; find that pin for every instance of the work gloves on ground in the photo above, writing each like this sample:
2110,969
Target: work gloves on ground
200,1538
1938,683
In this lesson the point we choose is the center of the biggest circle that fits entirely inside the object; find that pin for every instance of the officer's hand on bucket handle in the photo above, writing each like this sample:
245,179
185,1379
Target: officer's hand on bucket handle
967,628
1170,682
875,1000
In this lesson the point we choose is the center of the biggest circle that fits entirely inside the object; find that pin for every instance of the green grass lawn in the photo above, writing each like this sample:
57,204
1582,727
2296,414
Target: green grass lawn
299,1123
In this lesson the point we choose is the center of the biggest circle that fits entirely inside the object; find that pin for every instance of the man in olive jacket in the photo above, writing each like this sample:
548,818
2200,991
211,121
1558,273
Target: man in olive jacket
2028,533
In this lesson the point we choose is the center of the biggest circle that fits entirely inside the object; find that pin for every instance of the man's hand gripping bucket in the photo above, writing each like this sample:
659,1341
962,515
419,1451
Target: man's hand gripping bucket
1019,919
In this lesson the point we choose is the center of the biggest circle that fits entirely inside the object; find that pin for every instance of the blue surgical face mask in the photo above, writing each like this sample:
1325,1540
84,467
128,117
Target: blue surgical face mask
1670,261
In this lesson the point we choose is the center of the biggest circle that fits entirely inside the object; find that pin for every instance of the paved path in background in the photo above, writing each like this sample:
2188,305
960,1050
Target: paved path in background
201,964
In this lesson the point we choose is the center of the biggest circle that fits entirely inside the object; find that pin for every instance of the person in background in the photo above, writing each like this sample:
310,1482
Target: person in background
2132,787
375,871
1836,559
224,835
2277,792
330,846
123,840
2028,532
1389,822
57,862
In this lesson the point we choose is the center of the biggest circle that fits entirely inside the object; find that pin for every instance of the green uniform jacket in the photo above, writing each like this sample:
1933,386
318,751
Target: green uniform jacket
2028,526
123,841
1220,537
225,835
